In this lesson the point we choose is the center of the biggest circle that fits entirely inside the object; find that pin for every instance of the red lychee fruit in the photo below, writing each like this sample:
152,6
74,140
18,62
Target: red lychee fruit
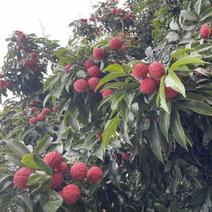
53,159
80,85
21,176
41,117
106,92
1,75
114,11
99,53
140,71
78,171
156,70
32,59
93,71
148,86
70,193
33,109
170,93
115,43
88,63
45,111
56,180
68,68
205,31
94,174
92,83
63,167
125,155
33,121
2,84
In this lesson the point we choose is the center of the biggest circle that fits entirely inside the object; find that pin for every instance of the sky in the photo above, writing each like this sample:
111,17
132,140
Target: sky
50,16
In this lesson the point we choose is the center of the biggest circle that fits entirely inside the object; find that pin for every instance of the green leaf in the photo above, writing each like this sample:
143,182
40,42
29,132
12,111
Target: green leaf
162,95
173,81
197,107
42,144
36,179
186,60
154,140
110,130
177,129
181,52
164,122
17,147
53,203
114,68
42,166
108,78
28,161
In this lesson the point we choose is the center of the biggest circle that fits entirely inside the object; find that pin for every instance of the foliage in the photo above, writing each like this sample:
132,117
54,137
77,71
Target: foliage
155,151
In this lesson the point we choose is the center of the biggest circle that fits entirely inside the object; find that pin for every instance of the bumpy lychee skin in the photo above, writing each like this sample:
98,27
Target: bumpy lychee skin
45,111
33,121
88,63
21,176
93,71
205,31
92,83
63,167
80,85
156,70
99,53
115,43
78,171
53,159
170,93
70,193
94,174
56,180
68,68
140,71
106,92
148,86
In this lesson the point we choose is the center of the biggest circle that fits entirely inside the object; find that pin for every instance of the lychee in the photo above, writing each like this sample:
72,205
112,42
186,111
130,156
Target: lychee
205,31
33,109
93,71
41,117
148,86
156,70
56,179
140,70
2,84
106,92
68,68
63,167
115,43
88,63
70,193
170,93
92,83
45,111
33,120
21,176
78,171
80,85
53,159
99,53
94,174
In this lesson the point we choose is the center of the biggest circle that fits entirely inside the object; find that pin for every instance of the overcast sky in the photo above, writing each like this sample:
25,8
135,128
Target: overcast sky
30,16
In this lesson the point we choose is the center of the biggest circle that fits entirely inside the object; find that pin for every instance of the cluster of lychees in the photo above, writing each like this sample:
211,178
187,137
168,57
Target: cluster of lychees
149,76
205,31
122,13
40,117
30,57
70,192
92,69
